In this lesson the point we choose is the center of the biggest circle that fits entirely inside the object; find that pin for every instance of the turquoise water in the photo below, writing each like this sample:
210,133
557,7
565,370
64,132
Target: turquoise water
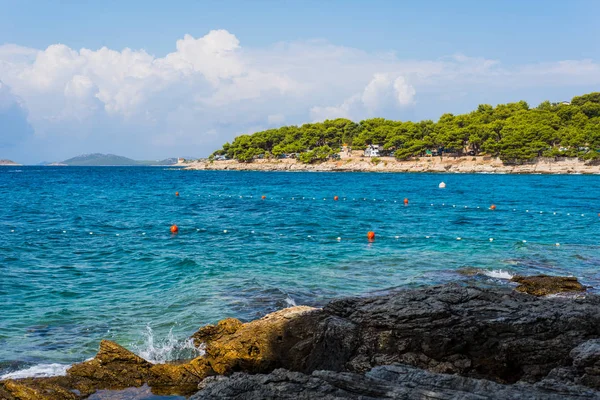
86,253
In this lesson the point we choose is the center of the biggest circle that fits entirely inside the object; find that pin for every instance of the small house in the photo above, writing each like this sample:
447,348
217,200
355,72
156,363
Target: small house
373,150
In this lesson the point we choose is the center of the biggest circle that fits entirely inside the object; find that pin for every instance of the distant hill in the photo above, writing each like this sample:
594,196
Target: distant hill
167,161
97,159
8,162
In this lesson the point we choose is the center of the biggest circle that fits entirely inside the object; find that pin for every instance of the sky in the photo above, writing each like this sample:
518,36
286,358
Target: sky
156,79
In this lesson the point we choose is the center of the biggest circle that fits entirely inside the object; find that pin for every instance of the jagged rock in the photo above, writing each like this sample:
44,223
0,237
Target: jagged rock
256,346
586,362
483,333
494,334
113,367
542,285
385,382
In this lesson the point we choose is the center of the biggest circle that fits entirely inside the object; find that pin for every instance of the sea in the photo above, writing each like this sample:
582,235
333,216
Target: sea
86,253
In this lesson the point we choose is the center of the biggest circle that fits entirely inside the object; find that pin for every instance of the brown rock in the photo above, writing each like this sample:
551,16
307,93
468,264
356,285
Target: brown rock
211,333
113,367
542,285
254,347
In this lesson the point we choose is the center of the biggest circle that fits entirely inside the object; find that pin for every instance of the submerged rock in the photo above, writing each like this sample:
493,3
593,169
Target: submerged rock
543,285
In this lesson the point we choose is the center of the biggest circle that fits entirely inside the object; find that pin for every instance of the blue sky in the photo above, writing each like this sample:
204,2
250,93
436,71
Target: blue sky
249,65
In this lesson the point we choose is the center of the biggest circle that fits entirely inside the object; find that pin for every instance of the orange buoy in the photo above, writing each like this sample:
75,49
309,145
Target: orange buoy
371,235
493,207
405,201
174,228
336,198
263,197
177,194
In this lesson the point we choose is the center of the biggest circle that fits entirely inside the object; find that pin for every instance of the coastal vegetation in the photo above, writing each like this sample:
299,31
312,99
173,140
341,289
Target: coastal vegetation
514,132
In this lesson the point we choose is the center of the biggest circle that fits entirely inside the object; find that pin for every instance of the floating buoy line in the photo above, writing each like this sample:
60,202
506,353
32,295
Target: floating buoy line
366,237
371,236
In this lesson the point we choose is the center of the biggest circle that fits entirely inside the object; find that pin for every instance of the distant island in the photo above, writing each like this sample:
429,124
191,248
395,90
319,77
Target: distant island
8,163
561,137
101,160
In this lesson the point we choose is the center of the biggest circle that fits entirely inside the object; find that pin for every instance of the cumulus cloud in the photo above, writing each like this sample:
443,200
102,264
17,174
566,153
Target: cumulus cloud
211,88
14,127
380,93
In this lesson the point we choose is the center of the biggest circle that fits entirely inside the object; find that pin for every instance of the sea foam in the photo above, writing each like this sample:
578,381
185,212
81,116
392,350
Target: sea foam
38,371
159,351
290,302
498,274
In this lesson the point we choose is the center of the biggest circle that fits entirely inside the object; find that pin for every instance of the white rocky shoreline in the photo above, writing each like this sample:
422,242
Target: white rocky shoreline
389,164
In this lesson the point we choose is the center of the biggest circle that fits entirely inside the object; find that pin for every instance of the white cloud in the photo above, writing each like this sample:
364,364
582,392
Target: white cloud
380,93
163,105
405,93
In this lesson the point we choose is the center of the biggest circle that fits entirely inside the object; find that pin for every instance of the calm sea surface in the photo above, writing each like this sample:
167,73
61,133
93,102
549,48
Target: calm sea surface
86,253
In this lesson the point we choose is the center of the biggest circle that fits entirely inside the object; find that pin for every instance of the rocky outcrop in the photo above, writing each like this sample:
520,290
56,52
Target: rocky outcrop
385,382
486,338
543,285
260,345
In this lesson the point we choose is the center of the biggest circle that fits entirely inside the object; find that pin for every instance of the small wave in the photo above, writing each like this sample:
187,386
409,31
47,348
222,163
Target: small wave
38,371
499,274
159,351
290,302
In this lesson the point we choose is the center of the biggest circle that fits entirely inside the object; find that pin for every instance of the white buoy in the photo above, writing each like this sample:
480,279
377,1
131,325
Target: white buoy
442,185
225,231
339,238
491,239
426,237
458,238
397,237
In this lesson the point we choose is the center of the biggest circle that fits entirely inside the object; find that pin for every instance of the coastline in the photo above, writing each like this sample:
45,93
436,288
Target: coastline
444,336
469,164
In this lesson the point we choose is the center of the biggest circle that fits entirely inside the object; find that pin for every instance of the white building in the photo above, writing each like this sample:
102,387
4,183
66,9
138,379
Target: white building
373,150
